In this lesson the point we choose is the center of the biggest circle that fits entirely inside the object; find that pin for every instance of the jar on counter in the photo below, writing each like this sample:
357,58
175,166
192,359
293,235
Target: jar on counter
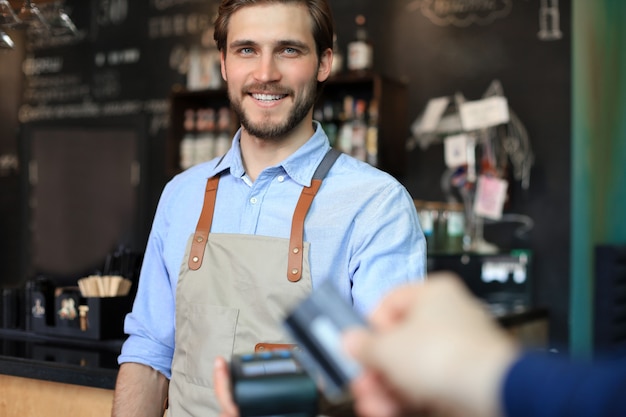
426,222
443,225
455,227
429,213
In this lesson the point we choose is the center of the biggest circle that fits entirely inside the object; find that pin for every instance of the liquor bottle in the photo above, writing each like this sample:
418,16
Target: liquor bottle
359,131
372,133
188,143
337,65
360,50
330,125
205,140
344,137
223,140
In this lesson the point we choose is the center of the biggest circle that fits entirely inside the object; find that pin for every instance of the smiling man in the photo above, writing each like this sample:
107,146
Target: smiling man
272,68
237,241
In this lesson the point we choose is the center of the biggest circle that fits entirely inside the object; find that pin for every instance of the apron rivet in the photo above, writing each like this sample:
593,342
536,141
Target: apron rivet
199,239
261,348
294,271
296,250
195,259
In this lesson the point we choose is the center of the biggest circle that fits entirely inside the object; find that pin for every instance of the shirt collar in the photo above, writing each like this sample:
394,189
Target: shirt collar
300,166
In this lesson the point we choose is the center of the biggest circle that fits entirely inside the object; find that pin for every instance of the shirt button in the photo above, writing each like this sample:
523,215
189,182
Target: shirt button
253,200
281,178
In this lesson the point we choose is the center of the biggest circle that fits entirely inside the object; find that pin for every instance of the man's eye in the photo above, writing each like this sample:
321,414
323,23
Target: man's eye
290,51
246,51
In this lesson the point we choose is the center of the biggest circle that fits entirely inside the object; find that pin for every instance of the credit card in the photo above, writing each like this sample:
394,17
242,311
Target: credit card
317,325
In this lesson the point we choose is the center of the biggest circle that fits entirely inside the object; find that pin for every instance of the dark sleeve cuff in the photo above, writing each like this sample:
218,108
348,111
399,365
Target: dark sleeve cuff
548,385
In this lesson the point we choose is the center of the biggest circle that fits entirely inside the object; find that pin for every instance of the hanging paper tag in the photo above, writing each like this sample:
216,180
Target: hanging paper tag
490,196
484,113
455,150
432,115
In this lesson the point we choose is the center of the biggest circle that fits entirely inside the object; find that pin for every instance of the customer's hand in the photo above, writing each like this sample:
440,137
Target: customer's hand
434,348
223,392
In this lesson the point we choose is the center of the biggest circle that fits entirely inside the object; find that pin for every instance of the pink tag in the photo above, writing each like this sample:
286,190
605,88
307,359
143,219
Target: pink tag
490,196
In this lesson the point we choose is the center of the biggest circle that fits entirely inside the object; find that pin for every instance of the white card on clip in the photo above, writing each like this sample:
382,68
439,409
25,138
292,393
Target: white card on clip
455,150
484,113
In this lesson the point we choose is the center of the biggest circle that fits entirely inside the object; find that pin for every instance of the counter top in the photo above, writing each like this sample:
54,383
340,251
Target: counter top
59,359
520,316
93,363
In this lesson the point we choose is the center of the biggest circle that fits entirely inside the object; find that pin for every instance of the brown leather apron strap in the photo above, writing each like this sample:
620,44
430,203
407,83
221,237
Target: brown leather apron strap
270,347
203,228
296,240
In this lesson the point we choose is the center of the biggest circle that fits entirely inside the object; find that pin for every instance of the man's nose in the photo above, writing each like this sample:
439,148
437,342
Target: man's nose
267,69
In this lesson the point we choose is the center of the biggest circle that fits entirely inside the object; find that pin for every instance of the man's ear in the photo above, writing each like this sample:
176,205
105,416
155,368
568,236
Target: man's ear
326,62
223,64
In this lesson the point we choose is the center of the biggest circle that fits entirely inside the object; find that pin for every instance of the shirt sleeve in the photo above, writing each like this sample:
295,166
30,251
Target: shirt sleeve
545,385
150,325
389,248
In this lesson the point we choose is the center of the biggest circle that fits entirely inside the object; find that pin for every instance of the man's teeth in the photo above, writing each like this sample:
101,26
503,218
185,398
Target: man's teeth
267,97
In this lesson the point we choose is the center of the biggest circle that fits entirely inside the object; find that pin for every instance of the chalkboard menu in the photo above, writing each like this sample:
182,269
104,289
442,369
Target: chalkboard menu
125,60
127,57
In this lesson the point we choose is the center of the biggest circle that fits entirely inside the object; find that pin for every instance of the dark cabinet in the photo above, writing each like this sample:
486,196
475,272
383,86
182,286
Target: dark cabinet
384,102
183,101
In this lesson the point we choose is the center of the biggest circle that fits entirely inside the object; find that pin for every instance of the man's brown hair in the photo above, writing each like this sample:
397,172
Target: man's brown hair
319,10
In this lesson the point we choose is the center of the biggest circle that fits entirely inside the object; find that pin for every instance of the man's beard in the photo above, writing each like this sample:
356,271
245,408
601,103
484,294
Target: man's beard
266,129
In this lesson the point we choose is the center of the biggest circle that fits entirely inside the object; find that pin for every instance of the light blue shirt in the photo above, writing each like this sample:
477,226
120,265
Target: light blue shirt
362,227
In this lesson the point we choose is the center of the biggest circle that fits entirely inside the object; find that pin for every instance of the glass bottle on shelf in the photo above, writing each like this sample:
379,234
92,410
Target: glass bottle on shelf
188,143
205,140
372,133
330,125
337,65
326,116
344,137
359,131
360,50
223,140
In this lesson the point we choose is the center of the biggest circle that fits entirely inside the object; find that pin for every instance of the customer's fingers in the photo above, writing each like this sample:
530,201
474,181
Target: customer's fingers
354,339
394,306
221,381
372,397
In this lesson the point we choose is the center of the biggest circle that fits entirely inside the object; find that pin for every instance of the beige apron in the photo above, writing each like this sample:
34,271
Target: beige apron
233,292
